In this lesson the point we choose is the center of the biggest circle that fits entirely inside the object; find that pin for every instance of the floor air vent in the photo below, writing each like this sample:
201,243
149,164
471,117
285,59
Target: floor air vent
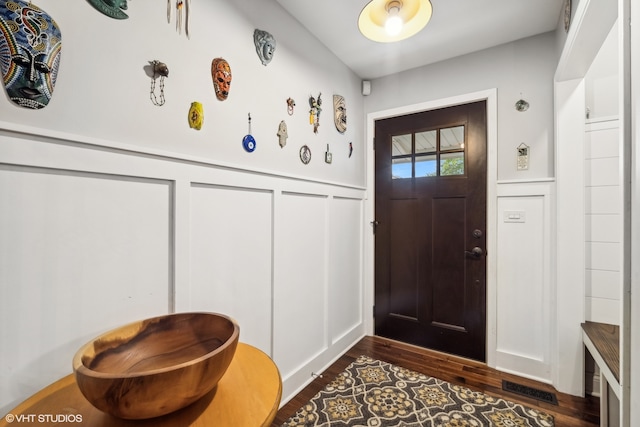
534,393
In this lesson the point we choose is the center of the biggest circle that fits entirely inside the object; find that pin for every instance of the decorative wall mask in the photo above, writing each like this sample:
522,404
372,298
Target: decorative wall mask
196,116
282,134
314,112
30,46
340,113
221,75
265,45
183,10
305,154
290,104
111,8
157,69
249,142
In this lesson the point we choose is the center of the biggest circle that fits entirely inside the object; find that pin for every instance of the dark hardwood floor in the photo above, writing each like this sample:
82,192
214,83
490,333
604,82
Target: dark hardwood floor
571,411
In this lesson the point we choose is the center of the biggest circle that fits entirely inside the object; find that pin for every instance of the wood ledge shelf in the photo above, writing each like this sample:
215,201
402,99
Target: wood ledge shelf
603,342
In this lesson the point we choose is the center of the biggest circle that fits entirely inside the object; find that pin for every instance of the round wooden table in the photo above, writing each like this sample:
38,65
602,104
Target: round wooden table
248,394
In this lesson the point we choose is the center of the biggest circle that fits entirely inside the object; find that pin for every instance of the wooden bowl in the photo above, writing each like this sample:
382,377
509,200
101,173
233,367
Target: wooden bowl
156,366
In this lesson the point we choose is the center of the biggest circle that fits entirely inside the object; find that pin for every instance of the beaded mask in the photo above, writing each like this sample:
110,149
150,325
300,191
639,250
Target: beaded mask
221,74
30,45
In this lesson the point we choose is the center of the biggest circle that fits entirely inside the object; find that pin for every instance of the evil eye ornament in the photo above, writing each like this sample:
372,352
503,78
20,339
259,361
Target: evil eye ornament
249,143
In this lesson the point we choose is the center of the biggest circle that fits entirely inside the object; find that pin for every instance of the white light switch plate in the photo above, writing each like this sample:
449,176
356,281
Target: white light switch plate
514,216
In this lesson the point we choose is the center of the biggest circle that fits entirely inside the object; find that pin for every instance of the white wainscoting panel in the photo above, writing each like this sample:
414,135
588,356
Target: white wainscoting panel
80,253
230,253
524,281
345,290
300,281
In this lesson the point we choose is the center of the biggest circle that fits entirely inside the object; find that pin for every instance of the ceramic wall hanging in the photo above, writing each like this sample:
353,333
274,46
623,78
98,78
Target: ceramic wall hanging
249,142
290,104
265,45
196,116
328,157
314,112
158,71
282,134
340,113
522,105
221,75
112,8
305,154
30,46
183,11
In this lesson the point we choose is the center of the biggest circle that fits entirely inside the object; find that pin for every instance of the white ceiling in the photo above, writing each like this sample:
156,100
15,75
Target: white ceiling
456,28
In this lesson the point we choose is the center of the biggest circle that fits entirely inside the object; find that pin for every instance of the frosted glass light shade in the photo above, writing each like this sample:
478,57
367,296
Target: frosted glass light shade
415,14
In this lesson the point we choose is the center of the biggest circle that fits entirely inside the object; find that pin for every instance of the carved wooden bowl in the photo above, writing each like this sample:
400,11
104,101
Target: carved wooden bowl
156,366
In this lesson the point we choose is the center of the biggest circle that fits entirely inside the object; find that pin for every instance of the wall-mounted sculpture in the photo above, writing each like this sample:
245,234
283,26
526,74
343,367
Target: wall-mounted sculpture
340,113
30,46
196,115
183,12
283,134
305,154
290,105
265,45
112,8
157,69
221,75
314,112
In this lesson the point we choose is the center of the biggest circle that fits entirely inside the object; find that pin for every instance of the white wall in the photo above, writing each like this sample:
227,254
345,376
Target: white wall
103,91
522,69
114,210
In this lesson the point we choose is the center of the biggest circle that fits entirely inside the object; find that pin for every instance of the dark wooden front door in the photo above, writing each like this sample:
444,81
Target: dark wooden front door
430,207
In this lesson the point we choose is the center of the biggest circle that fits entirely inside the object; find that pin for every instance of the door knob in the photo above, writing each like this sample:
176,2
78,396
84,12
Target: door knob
476,252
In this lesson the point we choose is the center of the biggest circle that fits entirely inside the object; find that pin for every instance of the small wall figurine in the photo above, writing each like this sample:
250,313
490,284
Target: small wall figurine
265,45
290,105
283,134
157,69
183,12
305,154
221,75
340,113
30,46
196,116
112,8
314,112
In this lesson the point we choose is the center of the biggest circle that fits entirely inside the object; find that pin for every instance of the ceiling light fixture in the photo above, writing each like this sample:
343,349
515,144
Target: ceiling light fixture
393,20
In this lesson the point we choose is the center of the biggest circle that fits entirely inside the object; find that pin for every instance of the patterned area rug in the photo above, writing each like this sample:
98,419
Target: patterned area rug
372,393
